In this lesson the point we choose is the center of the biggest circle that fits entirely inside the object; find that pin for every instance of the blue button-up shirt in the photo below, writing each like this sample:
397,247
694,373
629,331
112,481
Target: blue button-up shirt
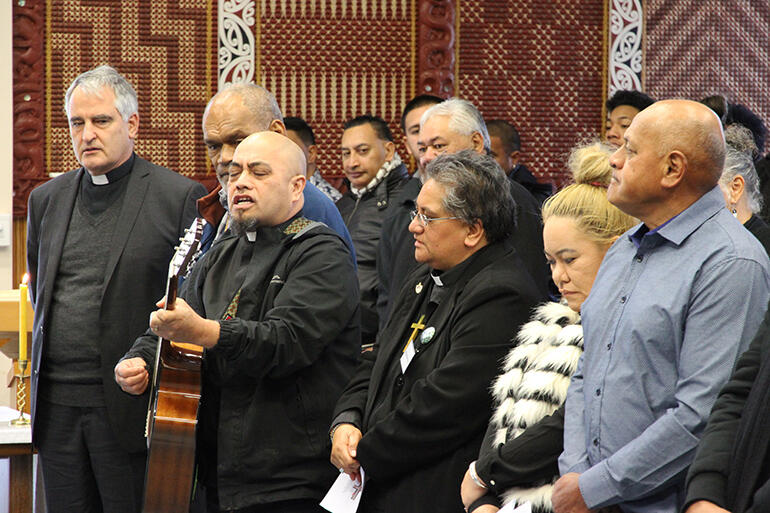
663,325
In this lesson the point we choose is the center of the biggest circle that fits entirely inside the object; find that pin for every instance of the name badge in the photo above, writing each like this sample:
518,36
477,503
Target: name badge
406,357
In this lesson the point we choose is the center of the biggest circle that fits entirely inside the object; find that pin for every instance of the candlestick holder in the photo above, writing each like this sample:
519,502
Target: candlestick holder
21,395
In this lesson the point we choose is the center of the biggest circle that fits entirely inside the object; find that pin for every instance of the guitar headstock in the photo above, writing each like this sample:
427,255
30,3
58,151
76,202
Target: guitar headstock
187,251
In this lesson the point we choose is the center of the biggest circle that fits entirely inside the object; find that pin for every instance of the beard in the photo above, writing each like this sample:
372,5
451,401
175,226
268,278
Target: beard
240,226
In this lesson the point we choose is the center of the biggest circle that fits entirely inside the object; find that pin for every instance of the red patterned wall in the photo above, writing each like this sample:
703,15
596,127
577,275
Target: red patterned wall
539,65
695,49
328,61
164,48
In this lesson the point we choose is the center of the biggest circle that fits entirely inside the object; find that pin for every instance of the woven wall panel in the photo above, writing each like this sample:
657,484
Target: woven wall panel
539,65
165,48
699,48
330,60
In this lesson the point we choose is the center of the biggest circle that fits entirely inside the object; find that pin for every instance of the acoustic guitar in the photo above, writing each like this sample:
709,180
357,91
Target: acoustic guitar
173,412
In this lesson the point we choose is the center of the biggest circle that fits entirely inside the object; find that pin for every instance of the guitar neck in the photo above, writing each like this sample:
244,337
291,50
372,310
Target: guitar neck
172,287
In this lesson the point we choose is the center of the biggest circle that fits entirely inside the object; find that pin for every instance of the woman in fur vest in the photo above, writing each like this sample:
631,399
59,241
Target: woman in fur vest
518,459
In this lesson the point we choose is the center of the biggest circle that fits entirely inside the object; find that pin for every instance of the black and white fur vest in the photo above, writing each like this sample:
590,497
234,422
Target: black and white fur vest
534,382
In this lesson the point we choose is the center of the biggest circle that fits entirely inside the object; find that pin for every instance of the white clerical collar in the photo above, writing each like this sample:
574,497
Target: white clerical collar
99,179
252,236
437,280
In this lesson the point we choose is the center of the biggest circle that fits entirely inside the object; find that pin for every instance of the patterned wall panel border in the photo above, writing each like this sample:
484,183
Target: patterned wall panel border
237,42
626,46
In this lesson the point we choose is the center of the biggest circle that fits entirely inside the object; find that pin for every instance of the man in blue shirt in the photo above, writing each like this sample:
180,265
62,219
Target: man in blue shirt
231,115
676,300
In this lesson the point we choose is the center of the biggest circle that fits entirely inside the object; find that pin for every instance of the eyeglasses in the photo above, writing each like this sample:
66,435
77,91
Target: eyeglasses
424,220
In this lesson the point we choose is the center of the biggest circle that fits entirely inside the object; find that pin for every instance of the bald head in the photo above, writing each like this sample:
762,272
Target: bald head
692,129
232,115
267,177
673,154
260,103
275,148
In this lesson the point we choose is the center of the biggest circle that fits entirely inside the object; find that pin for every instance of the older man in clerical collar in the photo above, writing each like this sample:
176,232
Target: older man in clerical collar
416,409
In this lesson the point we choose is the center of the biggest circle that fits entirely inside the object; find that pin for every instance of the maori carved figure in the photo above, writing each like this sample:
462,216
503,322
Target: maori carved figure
28,101
626,33
436,40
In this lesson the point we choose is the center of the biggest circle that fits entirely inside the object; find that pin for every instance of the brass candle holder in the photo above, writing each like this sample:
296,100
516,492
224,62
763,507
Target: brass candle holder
21,395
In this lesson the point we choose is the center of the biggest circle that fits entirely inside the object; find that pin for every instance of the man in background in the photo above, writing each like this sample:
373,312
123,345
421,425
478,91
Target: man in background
233,114
505,146
301,133
376,176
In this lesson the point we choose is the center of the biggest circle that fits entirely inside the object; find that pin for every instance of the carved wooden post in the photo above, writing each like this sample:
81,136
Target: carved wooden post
28,100
436,48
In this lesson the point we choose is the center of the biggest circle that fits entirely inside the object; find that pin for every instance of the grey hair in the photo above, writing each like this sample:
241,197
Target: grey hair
739,163
464,118
257,99
94,80
741,139
475,189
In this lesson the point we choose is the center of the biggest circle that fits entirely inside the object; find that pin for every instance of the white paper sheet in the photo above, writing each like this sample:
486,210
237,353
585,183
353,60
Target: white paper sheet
344,495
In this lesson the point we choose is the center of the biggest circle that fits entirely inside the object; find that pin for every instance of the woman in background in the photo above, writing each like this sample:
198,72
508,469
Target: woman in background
518,458
740,186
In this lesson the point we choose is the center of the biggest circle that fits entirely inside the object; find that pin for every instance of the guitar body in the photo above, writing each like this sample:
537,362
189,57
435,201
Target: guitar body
171,451
173,413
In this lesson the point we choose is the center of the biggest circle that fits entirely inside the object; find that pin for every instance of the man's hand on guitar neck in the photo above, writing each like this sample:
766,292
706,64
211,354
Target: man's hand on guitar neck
183,324
132,376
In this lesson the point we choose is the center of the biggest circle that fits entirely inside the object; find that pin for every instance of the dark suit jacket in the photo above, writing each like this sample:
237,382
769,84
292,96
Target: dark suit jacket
158,205
417,456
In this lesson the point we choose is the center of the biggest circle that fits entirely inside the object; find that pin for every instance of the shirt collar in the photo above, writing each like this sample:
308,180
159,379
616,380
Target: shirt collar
113,176
451,276
679,227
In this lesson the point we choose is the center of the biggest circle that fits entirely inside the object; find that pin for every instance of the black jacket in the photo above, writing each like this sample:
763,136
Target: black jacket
732,465
364,218
157,207
540,191
760,230
272,380
415,458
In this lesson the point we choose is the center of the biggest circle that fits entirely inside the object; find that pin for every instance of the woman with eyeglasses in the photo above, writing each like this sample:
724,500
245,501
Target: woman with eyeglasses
518,458
415,412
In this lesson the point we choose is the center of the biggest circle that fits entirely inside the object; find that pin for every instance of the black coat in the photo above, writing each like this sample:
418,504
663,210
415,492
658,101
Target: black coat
760,230
272,380
364,218
158,205
415,458
540,191
395,258
732,465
